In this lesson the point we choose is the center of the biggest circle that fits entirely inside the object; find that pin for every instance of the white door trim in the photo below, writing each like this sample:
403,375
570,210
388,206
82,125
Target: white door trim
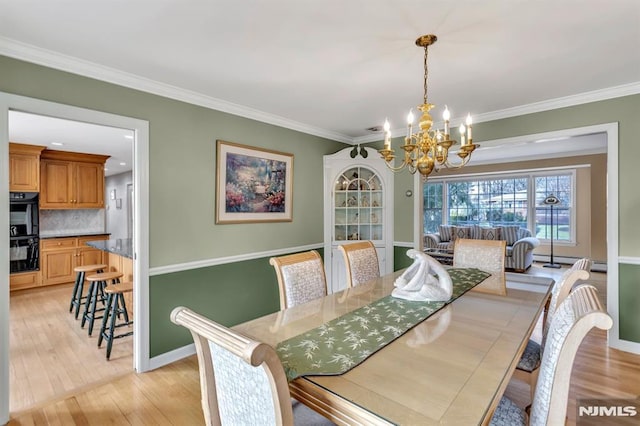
141,215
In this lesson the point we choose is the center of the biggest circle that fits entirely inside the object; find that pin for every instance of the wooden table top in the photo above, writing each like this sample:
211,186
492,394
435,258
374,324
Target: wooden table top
450,369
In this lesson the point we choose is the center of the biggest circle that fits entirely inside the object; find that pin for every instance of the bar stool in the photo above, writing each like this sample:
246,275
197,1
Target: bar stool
77,299
95,294
115,307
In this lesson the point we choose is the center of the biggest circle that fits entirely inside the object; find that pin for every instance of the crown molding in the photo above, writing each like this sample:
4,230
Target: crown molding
59,61
48,58
550,104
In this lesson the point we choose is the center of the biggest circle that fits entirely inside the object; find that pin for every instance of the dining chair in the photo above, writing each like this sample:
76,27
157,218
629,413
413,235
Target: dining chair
301,278
361,262
529,363
487,255
575,317
242,381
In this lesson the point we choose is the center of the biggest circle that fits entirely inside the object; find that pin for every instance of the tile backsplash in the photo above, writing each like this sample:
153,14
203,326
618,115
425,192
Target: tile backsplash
81,221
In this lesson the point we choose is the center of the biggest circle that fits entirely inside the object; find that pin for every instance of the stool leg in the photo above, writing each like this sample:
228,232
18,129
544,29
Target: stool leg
91,295
75,297
105,320
112,326
79,301
123,309
102,297
99,287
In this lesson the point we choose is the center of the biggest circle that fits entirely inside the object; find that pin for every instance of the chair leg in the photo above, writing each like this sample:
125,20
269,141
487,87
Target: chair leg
533,381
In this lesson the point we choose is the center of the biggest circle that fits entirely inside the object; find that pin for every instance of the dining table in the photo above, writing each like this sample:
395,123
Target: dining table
450,368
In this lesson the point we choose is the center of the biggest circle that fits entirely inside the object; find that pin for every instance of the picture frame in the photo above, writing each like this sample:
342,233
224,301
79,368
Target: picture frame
253,184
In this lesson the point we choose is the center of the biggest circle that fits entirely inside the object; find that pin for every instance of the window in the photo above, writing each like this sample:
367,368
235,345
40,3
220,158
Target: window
562,187
503,200
432,207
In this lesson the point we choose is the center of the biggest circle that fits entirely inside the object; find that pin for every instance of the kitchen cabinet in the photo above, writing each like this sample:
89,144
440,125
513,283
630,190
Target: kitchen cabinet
72,180
24,280
59,256
24,167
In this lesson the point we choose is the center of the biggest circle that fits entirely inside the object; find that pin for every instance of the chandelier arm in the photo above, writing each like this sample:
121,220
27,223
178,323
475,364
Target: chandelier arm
391,166
450,165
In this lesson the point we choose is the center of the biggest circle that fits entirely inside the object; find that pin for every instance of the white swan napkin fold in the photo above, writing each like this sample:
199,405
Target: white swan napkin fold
426,280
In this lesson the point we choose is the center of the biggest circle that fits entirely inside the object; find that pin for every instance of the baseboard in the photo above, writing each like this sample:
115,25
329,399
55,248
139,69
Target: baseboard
172,356
597,265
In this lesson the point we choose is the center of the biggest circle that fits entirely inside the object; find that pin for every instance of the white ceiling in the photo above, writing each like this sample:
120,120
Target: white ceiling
74,136
335,68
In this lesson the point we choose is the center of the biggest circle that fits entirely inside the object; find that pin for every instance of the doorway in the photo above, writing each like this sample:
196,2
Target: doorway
140,131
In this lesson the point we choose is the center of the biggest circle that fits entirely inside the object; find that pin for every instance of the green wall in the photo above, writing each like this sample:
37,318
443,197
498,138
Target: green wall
182,177
400,258
629,306
229,294
182,173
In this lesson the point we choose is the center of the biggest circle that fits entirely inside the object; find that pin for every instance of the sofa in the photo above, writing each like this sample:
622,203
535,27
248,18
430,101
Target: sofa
520,243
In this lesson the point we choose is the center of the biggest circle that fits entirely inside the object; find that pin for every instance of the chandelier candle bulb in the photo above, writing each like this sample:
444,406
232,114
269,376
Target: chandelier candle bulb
446,115
462,132
410,122
387,134
469,121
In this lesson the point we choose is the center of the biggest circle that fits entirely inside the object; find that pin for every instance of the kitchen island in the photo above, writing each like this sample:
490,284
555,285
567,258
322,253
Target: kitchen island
120,259
119,246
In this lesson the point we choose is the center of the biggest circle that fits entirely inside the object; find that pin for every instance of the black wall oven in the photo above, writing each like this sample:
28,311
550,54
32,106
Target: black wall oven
24,231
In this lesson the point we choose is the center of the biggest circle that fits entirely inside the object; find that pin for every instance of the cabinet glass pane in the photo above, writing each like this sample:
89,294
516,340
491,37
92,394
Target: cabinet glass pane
358,205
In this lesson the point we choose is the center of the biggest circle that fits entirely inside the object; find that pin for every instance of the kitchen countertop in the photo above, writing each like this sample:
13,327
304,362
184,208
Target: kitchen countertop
45,235
121,246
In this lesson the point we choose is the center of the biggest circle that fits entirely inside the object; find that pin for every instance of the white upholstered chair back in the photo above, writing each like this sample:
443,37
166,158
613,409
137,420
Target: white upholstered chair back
574,318
561,289
242,381
361,262
301,278
487,255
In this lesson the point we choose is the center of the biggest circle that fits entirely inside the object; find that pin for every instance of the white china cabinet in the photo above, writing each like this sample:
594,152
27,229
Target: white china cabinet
358,194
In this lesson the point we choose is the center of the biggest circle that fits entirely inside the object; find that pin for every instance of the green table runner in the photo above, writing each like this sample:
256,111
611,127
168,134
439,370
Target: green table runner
342,343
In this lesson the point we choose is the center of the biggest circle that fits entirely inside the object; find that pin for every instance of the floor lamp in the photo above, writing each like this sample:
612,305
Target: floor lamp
551,201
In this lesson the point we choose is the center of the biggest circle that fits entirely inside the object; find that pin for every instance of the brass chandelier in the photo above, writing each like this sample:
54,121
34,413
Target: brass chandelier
428,149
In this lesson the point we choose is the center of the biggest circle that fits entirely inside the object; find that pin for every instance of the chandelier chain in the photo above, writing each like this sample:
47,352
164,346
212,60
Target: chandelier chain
426,73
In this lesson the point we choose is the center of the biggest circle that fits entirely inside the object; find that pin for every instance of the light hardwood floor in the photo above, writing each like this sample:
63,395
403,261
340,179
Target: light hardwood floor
50,355
171,395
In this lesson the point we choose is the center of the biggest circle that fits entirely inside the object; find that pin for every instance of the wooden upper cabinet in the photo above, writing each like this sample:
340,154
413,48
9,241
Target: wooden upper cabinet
71,180
24,167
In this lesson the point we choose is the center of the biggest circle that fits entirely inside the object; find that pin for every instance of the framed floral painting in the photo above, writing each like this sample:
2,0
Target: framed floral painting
253,184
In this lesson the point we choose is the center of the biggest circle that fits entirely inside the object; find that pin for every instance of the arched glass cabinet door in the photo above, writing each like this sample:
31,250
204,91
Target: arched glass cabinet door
358,210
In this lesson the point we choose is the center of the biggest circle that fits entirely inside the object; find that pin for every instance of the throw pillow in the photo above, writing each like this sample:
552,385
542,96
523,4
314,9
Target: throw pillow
510,234
493,234
445,233
476,232
461,232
